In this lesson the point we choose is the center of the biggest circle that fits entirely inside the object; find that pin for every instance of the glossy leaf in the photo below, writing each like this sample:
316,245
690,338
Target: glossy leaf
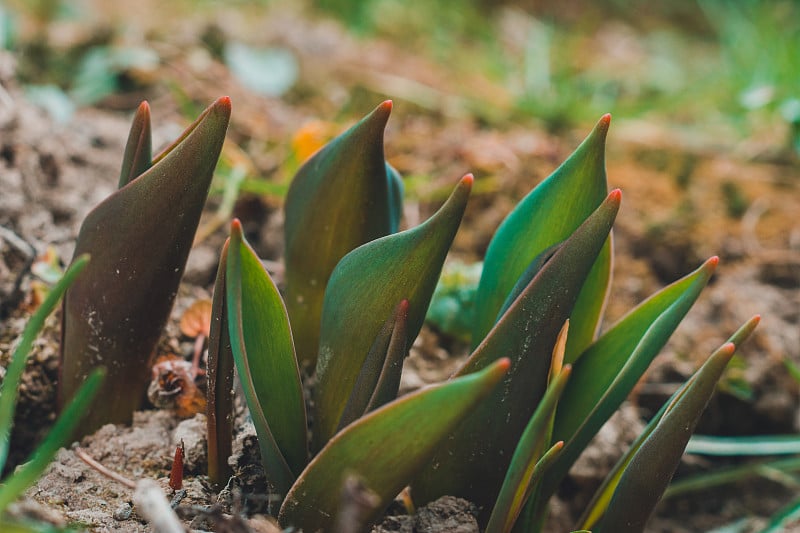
139,238
379,379
603,495
219,408
60,435
548,215
363,291
606,372
345,195
139,149
652,466
385,448
525,464
472,463
8,388
263,350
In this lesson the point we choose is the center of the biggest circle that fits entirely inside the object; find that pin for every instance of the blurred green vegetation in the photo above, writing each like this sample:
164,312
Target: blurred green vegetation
698,63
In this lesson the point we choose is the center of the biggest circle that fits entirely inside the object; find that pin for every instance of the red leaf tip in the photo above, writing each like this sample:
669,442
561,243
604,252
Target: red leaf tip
503,364
236,226
605,120
144,107
468,179
615,195
386,105
713,261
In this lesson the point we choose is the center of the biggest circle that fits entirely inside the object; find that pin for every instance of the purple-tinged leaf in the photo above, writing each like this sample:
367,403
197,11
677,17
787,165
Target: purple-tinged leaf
139,239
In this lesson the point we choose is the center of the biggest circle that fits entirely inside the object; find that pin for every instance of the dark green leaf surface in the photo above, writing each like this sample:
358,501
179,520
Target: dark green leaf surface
606,372
344,196
548,215
651,468
139,239
603,496
261,341
219,408
521,472
139,149
385,448
472,464
383,365
363,291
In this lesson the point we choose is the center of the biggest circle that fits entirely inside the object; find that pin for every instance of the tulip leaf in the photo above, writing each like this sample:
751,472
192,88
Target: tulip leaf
594,511
382,367
139,149
650,469
219,408
385,448
16,366
528,331
345,195
364,289
139,239
526,465
605,373
263,350
548,215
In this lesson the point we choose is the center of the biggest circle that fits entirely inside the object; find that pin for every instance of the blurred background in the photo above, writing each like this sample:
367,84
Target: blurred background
727,67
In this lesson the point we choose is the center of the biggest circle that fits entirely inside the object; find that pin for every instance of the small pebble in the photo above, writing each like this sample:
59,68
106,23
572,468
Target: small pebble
123,512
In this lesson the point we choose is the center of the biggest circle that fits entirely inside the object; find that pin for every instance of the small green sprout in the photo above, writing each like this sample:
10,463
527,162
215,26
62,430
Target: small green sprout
13,486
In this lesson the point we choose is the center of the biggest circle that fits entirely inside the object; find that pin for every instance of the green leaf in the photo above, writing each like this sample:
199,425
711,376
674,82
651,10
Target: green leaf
778,521
219,408
379,379
603,495
345,195
605,373
385,448
548,215
651,468
8,388
526,467
59,436
139,239
139,149
362,292
527,332
261,342
746,445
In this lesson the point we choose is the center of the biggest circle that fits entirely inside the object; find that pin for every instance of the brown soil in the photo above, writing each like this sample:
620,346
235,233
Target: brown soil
680,207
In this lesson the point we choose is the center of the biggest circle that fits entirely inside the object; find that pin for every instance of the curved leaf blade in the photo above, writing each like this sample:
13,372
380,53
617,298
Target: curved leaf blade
523,470
219,407
652,466
379,378
345,195
8,388
263,350
547,215
139,239
139,148
364,289
594,511
605,373
385,448
59,436
528,331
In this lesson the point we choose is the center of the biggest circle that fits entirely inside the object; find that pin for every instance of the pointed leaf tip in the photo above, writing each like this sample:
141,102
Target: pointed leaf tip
712,262
224,102
605,120
615,195
236,226
468,180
